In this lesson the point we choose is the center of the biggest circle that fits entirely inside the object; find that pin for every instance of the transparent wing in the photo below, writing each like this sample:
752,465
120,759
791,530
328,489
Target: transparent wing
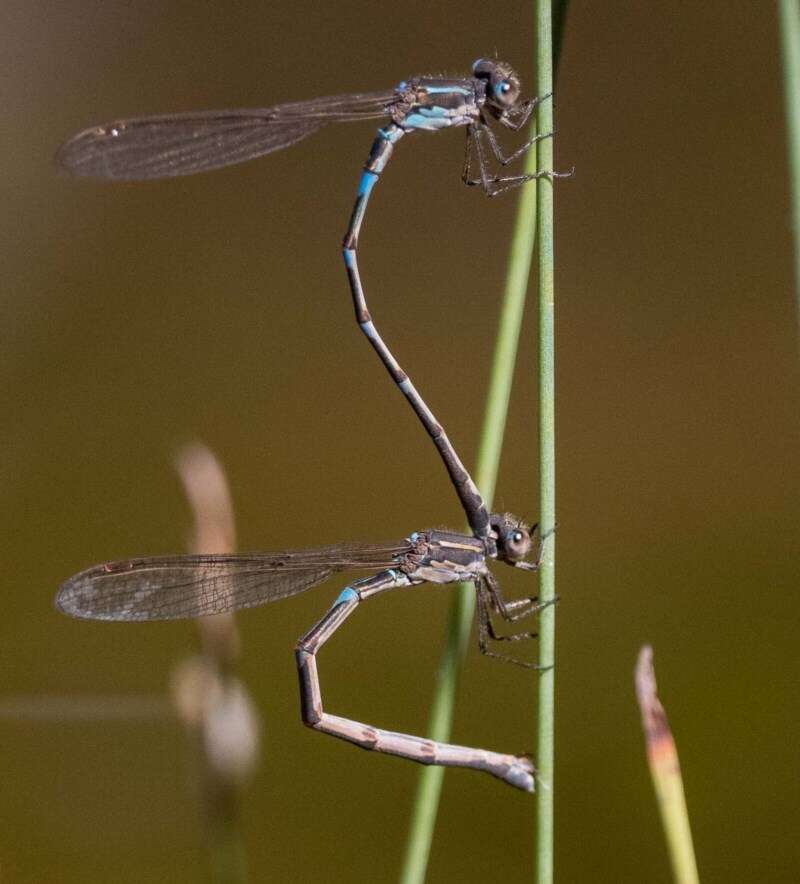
181,144
172,587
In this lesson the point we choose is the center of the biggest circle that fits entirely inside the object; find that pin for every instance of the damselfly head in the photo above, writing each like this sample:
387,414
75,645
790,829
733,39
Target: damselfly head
502,84
512,536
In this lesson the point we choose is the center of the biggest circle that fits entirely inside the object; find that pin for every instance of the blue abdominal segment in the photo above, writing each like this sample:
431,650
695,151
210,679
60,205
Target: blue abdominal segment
366,183
348,594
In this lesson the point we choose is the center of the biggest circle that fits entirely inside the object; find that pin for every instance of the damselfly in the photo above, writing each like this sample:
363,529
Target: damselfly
195,586
182,144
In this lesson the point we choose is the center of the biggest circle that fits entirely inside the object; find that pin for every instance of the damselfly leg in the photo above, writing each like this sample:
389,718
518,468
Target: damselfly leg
486,630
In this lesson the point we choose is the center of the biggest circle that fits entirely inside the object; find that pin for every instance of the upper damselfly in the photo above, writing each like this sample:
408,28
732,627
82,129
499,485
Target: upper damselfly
169,145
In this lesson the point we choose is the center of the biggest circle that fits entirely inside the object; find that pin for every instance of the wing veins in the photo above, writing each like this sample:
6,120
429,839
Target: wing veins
169,145
189,586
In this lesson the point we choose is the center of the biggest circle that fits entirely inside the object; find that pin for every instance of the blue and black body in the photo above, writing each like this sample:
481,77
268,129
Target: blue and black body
182,144
194,586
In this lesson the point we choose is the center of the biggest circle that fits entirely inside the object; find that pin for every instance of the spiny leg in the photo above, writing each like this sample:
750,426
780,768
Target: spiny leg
509,611
485,633
486,630
498,151
497,184
484,180
519,609
490,183
517,771
467,170
471,132
525,608
515,609
467,491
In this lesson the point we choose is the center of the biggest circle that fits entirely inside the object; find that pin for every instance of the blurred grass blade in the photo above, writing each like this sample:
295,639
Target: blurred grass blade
662,756
429,787
213,704
790,40
206,487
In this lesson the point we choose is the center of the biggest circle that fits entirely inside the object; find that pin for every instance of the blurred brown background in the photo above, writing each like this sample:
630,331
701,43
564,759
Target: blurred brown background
136,318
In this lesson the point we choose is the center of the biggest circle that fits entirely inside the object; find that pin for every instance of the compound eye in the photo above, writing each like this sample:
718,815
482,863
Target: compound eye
517,544
506,92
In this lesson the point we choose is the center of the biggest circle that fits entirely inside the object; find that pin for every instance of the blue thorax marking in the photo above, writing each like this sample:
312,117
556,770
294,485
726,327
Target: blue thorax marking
413,538
428,118
440,90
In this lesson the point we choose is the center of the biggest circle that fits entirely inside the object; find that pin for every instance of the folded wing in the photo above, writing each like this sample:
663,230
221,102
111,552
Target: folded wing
170,145
173,587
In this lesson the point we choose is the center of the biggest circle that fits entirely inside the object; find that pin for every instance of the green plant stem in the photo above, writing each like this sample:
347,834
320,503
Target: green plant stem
547,454
426,801
491,441
789,11
459,624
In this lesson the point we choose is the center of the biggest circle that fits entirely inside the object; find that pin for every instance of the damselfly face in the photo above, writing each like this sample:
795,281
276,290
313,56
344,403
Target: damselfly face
512,536
502,84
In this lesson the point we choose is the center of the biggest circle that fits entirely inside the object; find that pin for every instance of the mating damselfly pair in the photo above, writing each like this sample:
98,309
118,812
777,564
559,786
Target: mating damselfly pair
191,586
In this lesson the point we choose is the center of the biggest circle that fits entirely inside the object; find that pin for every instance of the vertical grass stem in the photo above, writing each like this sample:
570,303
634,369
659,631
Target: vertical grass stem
547,473
789,13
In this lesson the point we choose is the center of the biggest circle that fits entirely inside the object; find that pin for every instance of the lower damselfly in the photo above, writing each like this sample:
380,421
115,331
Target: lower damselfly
170,145
173,587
